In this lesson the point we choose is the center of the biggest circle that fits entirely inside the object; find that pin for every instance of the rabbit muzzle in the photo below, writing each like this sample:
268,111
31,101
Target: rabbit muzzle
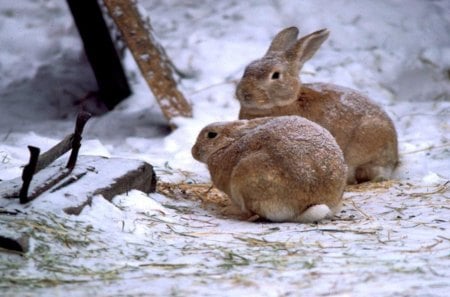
254,98
198,153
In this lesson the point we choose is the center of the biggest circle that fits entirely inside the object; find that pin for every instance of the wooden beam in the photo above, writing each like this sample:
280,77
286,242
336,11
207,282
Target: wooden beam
150,57
92,176
100,51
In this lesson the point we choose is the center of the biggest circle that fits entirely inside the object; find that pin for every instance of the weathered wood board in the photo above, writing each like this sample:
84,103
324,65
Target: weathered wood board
150,57
91,176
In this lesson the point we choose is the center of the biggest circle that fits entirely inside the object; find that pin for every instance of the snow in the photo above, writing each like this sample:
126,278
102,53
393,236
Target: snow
391,238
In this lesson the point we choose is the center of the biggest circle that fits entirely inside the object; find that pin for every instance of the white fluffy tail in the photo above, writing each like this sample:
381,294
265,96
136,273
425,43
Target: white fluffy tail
315,213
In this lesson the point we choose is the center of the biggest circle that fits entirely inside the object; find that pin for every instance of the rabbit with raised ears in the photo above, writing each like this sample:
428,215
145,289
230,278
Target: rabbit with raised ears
271,86
281,169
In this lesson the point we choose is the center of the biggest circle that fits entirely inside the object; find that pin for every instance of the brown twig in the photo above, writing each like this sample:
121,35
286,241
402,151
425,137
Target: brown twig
428,148
359,209
441,189
362,232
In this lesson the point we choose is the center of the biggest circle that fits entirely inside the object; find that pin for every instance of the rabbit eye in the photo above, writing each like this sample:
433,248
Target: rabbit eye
275,75
211,135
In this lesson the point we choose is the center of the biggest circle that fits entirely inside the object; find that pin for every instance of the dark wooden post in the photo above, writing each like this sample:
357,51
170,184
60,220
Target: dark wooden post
100,51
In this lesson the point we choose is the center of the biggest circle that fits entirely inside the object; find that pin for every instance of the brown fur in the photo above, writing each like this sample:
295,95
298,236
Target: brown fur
274,167
364,132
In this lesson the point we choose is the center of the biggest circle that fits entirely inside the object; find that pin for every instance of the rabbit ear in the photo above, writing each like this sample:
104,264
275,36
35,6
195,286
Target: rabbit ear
283,40
307,46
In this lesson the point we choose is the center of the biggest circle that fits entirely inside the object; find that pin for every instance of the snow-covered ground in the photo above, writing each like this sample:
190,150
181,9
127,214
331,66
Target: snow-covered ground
392,238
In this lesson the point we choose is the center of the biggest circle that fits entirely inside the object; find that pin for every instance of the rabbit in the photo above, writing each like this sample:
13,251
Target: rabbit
278,168
271,86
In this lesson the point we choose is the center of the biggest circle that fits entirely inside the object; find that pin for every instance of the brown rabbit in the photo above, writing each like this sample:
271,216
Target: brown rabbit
271,87
282,169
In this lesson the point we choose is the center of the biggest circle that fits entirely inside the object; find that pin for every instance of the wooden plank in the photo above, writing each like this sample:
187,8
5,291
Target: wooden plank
150,57
91,176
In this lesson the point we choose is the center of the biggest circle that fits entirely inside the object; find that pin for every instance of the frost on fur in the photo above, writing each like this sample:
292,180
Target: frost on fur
271,86
274,167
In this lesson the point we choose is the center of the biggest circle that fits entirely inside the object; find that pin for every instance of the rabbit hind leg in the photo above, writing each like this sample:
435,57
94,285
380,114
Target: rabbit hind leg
373,173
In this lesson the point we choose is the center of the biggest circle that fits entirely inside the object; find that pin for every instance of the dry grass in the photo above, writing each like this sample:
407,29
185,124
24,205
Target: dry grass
372,187
207,194
381,228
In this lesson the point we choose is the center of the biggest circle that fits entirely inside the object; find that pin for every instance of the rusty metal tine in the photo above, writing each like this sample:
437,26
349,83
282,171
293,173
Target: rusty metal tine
82,119
28,172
